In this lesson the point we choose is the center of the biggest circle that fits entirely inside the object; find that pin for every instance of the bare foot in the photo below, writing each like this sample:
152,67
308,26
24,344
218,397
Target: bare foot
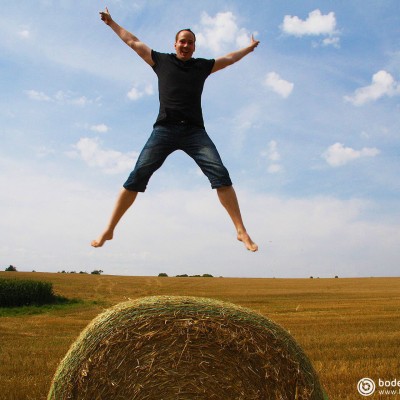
245,238
106,235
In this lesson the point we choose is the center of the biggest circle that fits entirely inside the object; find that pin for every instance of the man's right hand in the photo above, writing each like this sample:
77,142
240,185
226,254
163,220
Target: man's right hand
105,16
131,40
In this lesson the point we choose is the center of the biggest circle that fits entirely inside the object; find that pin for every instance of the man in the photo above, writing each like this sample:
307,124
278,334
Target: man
179,124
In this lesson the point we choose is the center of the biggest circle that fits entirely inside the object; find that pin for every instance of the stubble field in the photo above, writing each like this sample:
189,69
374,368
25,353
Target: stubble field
349,328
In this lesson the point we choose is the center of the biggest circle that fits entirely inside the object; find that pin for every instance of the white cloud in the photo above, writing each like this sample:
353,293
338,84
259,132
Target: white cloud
383,84
273,156
220,32
338,155
272,152
61,97
68,97
279,85
109,161
100,128
315,24
274,168
339,238
80,101
331,41
136,92
24,34
245,119
44,151
38,96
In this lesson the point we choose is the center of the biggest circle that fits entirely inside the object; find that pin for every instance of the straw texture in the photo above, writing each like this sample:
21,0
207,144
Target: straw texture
184,348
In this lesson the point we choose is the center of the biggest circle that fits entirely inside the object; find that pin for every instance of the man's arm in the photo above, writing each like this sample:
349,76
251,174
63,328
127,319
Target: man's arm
235,56
131,40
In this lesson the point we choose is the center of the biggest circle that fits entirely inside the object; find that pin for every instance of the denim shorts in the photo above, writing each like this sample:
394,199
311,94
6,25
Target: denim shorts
164,140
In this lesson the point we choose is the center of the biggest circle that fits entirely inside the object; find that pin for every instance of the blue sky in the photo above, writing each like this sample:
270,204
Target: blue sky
308,126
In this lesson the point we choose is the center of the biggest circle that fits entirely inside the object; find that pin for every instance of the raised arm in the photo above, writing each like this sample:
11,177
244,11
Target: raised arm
231,58
131,40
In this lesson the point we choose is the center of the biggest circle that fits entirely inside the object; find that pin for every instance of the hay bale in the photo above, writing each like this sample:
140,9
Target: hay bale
184,348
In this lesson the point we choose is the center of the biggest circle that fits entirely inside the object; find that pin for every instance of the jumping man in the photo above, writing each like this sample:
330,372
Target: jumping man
179,125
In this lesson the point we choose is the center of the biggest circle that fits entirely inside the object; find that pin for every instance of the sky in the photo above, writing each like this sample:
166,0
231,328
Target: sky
308,126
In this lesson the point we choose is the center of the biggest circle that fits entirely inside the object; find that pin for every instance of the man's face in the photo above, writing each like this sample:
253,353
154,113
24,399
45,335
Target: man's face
185,45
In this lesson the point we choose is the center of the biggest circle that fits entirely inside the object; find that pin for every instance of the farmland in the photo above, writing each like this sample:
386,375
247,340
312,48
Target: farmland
349,328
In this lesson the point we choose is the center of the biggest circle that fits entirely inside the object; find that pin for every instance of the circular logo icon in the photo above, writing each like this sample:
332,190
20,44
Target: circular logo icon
366,386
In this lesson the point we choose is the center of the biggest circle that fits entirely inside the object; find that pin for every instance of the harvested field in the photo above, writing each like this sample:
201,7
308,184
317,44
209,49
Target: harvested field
349,328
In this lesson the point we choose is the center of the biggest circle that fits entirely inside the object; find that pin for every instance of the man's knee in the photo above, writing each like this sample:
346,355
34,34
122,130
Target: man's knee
137,181
221,183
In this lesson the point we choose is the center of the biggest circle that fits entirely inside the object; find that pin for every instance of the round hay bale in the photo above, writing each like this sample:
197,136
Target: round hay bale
176,348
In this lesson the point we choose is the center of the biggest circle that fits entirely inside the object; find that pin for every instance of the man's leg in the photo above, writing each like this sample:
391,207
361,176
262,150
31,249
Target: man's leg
152,156
228,199
202,149
124,201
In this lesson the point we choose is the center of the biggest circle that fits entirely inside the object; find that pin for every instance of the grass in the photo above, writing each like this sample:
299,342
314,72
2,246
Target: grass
349,328
59,304
20,292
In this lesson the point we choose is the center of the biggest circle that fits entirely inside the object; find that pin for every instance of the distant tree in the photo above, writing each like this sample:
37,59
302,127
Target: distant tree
182,276
11,268
163,274
336,277
207,276
97,272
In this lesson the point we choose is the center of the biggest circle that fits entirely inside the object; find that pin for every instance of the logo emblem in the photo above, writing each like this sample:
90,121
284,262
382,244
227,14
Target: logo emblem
366,386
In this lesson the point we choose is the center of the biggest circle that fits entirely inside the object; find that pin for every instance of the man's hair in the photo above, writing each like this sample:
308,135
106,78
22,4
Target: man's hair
185,30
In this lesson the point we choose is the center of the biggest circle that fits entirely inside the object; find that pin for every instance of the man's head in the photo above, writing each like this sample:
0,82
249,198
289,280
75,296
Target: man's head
185,44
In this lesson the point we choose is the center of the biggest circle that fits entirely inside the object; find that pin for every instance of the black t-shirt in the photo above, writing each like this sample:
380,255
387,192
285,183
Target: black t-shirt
180,85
